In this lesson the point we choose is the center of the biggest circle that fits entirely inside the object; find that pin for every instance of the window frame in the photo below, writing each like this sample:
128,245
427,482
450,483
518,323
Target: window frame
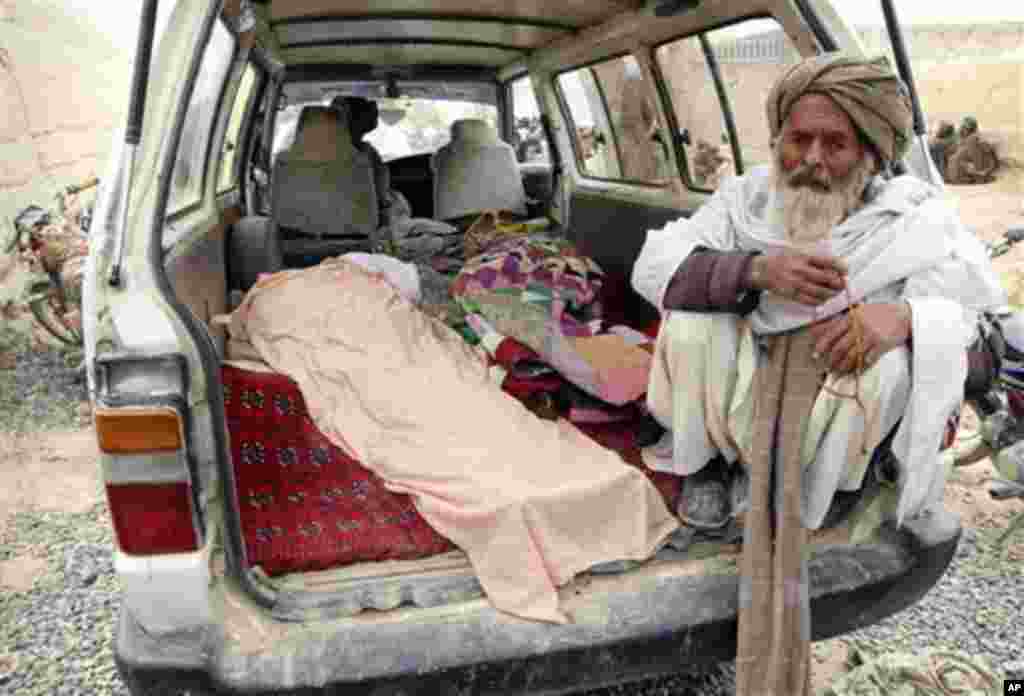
212,127
506,104
725,104
241,147
607,111
265,78
723,99
509,120
563,106
672,121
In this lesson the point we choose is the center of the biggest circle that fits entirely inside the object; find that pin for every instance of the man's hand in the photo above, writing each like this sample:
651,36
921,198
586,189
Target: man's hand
882,327
809,279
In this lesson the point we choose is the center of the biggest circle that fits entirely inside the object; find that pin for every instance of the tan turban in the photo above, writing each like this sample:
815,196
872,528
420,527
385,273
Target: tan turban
872,96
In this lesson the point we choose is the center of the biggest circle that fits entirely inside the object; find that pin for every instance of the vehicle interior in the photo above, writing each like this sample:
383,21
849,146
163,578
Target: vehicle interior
270,176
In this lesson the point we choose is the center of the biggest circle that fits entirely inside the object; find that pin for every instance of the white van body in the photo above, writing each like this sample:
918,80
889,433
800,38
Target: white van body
194,612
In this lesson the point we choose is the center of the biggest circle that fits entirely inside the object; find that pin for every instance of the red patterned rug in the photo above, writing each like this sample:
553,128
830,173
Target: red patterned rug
305,505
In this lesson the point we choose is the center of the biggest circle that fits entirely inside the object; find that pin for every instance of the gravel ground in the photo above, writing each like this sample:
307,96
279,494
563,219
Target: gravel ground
977,607
56,638
42,393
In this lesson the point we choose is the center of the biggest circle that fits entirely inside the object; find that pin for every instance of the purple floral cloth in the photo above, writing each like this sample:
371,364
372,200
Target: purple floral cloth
534,262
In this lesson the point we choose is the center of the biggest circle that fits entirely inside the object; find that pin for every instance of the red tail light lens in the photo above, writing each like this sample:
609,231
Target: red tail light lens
153,518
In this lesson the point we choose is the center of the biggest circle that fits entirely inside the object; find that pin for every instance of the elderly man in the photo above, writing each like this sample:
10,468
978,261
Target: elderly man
795,245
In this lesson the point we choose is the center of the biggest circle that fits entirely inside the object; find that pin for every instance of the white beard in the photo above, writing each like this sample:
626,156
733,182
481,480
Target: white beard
808,214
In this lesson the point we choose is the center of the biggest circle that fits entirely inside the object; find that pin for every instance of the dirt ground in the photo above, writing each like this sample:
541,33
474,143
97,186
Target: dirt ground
57,470
48,471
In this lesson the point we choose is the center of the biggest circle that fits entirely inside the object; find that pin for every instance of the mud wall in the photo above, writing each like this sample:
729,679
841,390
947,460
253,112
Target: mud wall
63,91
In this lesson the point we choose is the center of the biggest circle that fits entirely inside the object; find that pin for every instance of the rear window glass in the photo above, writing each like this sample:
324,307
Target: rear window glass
406,126
617,133
190,164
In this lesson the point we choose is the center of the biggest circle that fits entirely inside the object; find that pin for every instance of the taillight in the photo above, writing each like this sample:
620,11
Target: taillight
153,518
148,479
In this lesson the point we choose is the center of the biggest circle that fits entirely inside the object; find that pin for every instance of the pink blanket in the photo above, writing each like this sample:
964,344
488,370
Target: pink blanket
531,502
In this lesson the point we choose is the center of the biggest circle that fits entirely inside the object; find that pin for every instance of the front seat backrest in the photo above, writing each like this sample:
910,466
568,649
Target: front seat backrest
322,185
476,171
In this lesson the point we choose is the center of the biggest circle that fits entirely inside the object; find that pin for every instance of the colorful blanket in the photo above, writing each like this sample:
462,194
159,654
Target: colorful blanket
542,293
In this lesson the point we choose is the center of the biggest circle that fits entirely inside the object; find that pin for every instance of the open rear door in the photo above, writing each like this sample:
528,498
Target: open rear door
918,160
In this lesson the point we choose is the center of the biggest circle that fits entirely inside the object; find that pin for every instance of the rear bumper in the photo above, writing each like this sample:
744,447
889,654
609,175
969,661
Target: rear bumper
652,621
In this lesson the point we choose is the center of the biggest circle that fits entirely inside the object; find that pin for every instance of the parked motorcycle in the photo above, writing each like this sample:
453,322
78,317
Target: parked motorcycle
55,243
1000,410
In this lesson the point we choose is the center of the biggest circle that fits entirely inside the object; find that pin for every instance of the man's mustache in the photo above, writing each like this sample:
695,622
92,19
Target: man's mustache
804,177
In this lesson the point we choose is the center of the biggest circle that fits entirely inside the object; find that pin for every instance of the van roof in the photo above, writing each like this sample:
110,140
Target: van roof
483,33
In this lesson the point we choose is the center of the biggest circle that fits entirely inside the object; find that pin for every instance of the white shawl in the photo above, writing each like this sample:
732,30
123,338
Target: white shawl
905,242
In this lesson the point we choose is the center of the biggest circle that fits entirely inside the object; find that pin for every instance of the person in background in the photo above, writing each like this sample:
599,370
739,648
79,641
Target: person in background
942,146
363,117
974,161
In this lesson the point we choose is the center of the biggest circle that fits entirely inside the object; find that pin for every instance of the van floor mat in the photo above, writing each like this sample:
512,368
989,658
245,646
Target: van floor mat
305,505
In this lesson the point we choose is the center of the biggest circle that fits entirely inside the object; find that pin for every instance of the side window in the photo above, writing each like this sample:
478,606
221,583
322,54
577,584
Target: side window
187,180
617,131
592,132
750,56
530,142
228,177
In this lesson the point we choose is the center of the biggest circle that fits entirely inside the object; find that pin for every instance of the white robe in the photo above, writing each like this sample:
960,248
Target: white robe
906,243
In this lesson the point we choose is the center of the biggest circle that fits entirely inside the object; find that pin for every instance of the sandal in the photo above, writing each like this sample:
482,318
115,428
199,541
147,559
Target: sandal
705,500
